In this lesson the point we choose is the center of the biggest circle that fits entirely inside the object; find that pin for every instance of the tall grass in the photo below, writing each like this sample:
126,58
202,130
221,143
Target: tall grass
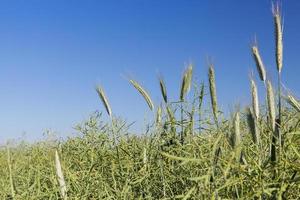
241,157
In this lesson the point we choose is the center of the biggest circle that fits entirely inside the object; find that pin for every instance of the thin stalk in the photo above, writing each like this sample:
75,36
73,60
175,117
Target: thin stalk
115,144
60,177
105,102
278,125
280,141
11,182
201,95
191,118
181,123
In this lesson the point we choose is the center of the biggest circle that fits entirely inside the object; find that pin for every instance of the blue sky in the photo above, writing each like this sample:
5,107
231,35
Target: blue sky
53,53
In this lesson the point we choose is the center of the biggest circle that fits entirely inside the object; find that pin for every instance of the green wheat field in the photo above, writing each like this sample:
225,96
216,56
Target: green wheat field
190,150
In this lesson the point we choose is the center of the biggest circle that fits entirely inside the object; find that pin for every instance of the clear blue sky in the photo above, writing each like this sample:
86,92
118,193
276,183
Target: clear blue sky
53,53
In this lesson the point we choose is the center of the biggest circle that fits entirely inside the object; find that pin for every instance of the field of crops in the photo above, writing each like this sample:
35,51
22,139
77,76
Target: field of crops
187,152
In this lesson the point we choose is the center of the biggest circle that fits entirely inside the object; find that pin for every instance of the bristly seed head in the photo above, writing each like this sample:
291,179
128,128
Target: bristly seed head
259,63
271,105
253,126
213,92
170,113
104,100
186,82
143,92
163,89
237,134
158,115
189,77
278,36
255,103
293,102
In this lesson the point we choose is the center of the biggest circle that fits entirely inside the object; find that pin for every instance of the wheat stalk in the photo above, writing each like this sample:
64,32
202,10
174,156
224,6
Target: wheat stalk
201,96
272,120
271,105
236,142
158,115
253,126
237,133
104,100
163,89
259,63
170,113
213,93
186,82
171,119
279,59
143,92
278,36
255,133
189,77
183,91
60,177
183,87
255,103
293,102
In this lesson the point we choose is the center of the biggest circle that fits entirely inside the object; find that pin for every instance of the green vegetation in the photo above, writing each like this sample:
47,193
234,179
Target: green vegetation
188,152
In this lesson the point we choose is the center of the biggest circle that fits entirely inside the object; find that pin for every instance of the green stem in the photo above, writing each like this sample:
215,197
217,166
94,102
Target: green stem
201,95
279,112
116,145
10,174
182,129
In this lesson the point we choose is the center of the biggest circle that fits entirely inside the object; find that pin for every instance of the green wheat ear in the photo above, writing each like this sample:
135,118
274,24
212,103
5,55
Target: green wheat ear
236,133
271,105
143,92
104,100
213,92
253,126
254,96
278,36
186,82
259,63
293,102
158,115
163,89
